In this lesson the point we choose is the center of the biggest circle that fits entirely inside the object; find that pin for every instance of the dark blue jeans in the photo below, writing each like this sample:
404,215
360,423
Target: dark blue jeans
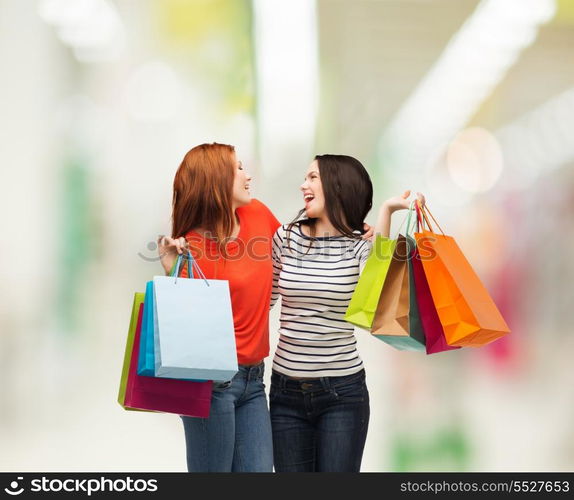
319,425
237,435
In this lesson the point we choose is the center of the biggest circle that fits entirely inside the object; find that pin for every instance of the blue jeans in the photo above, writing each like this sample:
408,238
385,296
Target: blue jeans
319,425
237,435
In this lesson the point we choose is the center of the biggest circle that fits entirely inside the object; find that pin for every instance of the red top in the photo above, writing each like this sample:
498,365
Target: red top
249,270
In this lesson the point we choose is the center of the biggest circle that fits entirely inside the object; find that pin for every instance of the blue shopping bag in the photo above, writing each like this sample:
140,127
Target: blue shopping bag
146,360
194,335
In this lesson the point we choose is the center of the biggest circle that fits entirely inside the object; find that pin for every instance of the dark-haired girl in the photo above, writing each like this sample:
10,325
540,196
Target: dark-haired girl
319,400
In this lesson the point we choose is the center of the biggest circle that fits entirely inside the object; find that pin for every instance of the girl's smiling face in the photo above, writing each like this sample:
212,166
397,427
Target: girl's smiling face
313,192
241,195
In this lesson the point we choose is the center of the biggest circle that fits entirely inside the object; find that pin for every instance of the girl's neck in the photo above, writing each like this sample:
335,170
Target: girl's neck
323,227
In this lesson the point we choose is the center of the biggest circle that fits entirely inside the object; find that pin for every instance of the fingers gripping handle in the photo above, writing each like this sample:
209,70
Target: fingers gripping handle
191,265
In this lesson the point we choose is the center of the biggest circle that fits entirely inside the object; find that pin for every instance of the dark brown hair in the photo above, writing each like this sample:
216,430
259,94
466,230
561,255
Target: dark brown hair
348,195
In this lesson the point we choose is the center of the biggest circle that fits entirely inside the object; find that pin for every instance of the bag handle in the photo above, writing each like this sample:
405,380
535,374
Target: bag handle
426,210
420,223
197,268
409,217
191,265
422,211
421,219
175,269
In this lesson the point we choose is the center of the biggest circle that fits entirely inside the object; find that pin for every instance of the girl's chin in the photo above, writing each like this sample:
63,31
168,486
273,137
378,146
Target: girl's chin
244,200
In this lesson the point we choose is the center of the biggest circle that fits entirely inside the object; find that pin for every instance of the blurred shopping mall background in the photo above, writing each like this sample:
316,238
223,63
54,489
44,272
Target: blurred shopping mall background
468,101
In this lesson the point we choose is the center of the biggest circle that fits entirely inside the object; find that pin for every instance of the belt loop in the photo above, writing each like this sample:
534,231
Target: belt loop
283,382
326,383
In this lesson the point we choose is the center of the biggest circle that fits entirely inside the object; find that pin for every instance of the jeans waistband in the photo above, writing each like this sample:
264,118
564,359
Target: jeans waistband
251,371
314,384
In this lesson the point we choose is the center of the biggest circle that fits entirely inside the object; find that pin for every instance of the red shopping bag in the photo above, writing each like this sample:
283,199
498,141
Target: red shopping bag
435,340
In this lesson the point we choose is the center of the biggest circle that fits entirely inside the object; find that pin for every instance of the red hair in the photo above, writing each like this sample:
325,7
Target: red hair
203,192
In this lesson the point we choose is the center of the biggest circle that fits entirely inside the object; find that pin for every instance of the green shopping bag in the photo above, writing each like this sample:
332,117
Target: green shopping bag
361,309
138,300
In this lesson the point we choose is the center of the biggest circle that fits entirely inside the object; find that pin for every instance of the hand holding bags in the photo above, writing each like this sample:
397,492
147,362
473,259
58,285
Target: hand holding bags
466,311
428,296
194,334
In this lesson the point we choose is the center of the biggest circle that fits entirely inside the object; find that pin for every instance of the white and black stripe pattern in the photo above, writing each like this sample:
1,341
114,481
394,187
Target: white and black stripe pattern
315,280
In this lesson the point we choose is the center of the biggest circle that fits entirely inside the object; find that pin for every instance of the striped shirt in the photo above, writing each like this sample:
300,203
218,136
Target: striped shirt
316,282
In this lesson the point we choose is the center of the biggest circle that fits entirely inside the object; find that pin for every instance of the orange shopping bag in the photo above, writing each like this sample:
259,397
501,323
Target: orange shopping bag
466,311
